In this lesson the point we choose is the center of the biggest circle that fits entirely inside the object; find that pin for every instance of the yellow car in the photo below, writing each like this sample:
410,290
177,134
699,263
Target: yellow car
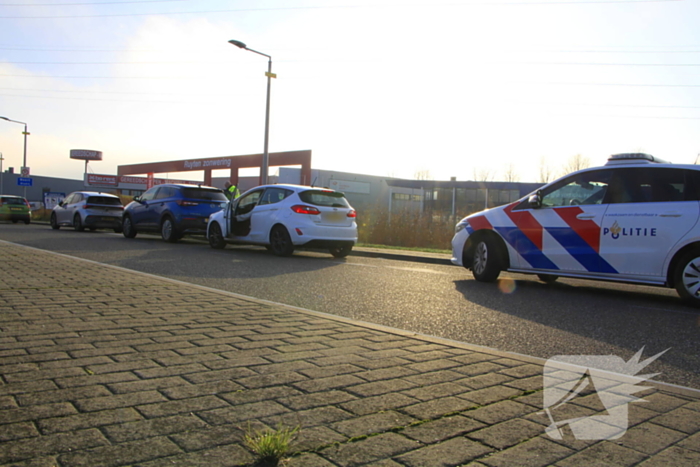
15,208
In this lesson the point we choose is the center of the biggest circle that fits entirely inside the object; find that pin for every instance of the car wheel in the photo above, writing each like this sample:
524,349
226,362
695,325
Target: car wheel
167,230
216,238
687,278
281,242
54,222
547,278
77,223
128,229
486,263
341,251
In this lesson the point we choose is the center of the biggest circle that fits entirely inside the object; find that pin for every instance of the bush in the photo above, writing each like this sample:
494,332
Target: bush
406,229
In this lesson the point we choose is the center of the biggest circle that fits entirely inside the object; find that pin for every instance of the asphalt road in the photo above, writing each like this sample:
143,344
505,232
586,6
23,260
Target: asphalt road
519,314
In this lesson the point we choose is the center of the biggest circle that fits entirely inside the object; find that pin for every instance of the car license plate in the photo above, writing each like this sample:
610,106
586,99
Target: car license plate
15,209
335,216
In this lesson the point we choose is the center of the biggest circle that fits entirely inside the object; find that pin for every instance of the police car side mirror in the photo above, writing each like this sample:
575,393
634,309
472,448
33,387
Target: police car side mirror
535,200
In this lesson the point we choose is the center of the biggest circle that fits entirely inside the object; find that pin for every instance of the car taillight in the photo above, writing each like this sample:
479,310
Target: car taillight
28,205
352,213
302,209
183,202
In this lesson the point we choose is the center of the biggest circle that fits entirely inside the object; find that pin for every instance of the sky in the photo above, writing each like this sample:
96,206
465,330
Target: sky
472,89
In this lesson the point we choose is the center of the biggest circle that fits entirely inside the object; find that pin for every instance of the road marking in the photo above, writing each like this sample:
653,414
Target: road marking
429,271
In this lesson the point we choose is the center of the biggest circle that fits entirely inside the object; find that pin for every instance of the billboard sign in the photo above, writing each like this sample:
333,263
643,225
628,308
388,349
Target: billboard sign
86,155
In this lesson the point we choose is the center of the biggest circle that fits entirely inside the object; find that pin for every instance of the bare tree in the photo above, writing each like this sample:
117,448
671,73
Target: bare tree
510,174
546,174
575,163
483,174
423,174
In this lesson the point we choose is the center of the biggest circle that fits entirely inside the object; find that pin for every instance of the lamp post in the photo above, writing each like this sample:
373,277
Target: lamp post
25,133
266,155
1,174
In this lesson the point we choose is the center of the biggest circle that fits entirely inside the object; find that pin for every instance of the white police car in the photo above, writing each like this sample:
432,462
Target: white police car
633,220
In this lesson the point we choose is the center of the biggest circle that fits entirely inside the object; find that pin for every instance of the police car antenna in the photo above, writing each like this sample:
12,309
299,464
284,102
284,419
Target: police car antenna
314,182
696,158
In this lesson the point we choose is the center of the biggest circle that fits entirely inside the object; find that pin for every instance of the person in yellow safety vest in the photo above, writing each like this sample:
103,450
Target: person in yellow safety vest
232,191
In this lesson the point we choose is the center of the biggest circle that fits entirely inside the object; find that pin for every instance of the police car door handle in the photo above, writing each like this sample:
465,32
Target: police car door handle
584,216
670,214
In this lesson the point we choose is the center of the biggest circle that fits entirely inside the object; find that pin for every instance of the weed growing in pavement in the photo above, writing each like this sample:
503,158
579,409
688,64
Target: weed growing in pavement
271,446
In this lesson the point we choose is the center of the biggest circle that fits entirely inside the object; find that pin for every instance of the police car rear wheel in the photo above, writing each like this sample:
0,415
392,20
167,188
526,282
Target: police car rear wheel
486,265
687,278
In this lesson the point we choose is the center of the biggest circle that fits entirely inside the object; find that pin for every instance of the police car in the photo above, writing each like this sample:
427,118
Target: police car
633,220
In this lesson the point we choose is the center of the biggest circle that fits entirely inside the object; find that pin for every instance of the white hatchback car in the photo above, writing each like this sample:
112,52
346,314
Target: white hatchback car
633,220
284,217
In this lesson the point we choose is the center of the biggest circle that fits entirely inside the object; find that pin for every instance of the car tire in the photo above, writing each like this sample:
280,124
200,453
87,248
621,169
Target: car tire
128,229
547,278
54,222
687,278
341,251
77,223
216,237
280,241
486,261
168,231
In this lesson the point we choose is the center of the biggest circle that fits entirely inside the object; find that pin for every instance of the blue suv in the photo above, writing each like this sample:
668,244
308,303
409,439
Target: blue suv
173,210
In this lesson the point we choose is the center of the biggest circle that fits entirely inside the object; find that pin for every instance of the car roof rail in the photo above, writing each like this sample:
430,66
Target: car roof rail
635,158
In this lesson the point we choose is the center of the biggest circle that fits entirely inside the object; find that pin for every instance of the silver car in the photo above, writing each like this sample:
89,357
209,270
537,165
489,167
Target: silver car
88,209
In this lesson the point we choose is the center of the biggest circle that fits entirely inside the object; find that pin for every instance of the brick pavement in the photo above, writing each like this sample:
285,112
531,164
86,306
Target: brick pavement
101,366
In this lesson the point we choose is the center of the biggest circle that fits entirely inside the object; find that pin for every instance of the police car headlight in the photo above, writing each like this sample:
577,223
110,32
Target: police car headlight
459,227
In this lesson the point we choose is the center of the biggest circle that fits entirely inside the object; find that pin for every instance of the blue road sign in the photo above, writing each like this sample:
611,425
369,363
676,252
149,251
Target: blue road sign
24,181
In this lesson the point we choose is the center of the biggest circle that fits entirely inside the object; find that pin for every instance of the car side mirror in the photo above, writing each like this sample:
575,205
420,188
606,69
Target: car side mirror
535,200
60,203
137,199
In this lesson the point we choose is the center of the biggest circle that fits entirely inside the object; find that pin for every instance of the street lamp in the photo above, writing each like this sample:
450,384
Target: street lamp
25,133
266,155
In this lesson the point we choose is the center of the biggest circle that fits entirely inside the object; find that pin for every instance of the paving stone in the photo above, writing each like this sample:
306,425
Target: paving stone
537,452
380,387
313,438
674,456
491,395
119,400
202,436
486,380
367,405
649,438
441,429
309,460
308,401
685,420
243,412
191,405
663,403
196,390
448,453
508,433
88,420
437,407
142,429
324,384
220,456
604,454
369,449
374,423
500,412
426,393
28,448
691,442
122,454
18,431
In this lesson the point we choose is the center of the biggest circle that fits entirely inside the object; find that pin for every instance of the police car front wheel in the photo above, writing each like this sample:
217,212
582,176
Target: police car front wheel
486,264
